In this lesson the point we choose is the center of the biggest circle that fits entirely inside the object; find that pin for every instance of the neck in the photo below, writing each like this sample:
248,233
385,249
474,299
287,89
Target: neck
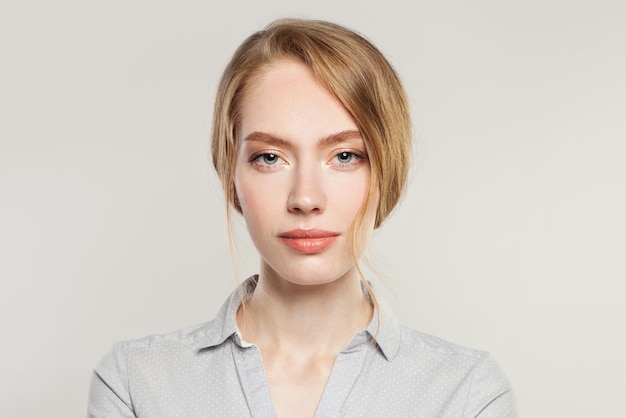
322,317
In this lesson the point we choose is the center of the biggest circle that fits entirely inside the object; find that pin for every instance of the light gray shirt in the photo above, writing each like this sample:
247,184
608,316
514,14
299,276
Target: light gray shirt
208,371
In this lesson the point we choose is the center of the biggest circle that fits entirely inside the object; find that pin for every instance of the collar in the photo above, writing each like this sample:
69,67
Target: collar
386,335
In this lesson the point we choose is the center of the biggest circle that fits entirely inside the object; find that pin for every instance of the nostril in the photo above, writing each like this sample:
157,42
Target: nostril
304,205
305,201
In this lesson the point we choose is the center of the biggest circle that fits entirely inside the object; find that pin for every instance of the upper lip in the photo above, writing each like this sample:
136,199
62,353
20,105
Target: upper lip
308,233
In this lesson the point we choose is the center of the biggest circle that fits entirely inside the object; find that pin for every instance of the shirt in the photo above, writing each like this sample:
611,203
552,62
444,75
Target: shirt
209,371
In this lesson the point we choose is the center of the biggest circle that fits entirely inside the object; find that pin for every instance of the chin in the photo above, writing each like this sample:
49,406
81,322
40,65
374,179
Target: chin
310,275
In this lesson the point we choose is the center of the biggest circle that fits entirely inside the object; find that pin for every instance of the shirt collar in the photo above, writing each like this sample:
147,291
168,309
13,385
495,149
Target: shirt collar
224,325
387,336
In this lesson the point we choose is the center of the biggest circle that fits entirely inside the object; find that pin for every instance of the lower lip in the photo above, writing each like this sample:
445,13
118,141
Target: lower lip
309,245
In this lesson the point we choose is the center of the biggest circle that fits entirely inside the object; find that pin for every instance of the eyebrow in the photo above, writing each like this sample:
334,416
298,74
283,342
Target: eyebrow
277,141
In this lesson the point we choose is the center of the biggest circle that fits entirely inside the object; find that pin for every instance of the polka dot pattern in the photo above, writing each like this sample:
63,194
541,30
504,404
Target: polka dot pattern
207,371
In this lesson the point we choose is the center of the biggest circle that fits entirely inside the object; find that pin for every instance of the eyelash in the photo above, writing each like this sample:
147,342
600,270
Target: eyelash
256,157
254,160
352,163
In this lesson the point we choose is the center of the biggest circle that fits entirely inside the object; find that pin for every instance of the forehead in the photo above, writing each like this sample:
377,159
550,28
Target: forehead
286,99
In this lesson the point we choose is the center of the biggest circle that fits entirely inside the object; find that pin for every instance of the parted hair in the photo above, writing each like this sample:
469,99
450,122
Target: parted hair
353,70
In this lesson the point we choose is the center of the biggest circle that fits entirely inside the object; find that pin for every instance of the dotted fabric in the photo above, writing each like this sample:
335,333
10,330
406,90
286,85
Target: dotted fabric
208,371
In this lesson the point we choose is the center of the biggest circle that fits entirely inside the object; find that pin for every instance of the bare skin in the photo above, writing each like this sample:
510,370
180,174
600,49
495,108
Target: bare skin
302,175
304,328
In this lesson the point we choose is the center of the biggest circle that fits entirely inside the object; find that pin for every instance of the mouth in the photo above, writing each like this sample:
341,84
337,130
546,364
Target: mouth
308,241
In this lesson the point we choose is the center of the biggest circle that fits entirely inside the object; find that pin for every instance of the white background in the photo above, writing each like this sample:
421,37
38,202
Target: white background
511,237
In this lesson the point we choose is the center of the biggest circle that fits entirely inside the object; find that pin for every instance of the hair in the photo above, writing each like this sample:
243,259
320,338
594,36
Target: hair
353,70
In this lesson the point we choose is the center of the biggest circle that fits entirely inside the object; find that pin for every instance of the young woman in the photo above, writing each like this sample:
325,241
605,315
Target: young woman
311,140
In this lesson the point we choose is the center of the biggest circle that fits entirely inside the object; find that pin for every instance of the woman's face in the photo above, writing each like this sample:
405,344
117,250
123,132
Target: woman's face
301,176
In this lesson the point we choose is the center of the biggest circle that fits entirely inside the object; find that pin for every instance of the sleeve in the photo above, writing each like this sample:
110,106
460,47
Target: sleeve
109,394
491,395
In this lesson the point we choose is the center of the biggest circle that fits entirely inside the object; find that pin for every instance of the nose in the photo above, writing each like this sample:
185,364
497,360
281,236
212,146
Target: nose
307,193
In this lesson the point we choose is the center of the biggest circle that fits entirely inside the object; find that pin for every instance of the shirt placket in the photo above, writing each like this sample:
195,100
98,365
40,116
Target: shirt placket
253,381
343,376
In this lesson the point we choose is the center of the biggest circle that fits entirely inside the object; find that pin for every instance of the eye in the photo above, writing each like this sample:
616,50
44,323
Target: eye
348,160
268,158
345,157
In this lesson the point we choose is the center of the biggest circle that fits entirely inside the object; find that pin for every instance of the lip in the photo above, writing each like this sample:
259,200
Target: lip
308,241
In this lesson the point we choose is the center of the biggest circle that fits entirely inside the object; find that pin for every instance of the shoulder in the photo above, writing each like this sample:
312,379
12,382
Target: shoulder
189,335
159,345
126,376
413,341
420,348
154,351
462,370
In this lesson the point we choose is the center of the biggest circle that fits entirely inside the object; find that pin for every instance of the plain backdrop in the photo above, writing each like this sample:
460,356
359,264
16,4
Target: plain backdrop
511,237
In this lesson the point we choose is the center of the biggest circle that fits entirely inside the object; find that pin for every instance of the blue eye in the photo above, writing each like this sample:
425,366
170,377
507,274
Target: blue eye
345,157
269,158
266,160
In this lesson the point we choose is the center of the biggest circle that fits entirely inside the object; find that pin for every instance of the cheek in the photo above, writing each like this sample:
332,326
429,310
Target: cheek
257,199
357,196
248,196
351,193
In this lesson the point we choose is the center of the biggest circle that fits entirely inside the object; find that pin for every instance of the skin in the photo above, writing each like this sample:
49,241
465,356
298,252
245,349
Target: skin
301,165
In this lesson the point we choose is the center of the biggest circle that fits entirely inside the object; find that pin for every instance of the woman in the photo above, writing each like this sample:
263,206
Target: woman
311,140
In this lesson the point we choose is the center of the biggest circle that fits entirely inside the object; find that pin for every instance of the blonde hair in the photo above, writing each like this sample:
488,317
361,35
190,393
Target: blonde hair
356,73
